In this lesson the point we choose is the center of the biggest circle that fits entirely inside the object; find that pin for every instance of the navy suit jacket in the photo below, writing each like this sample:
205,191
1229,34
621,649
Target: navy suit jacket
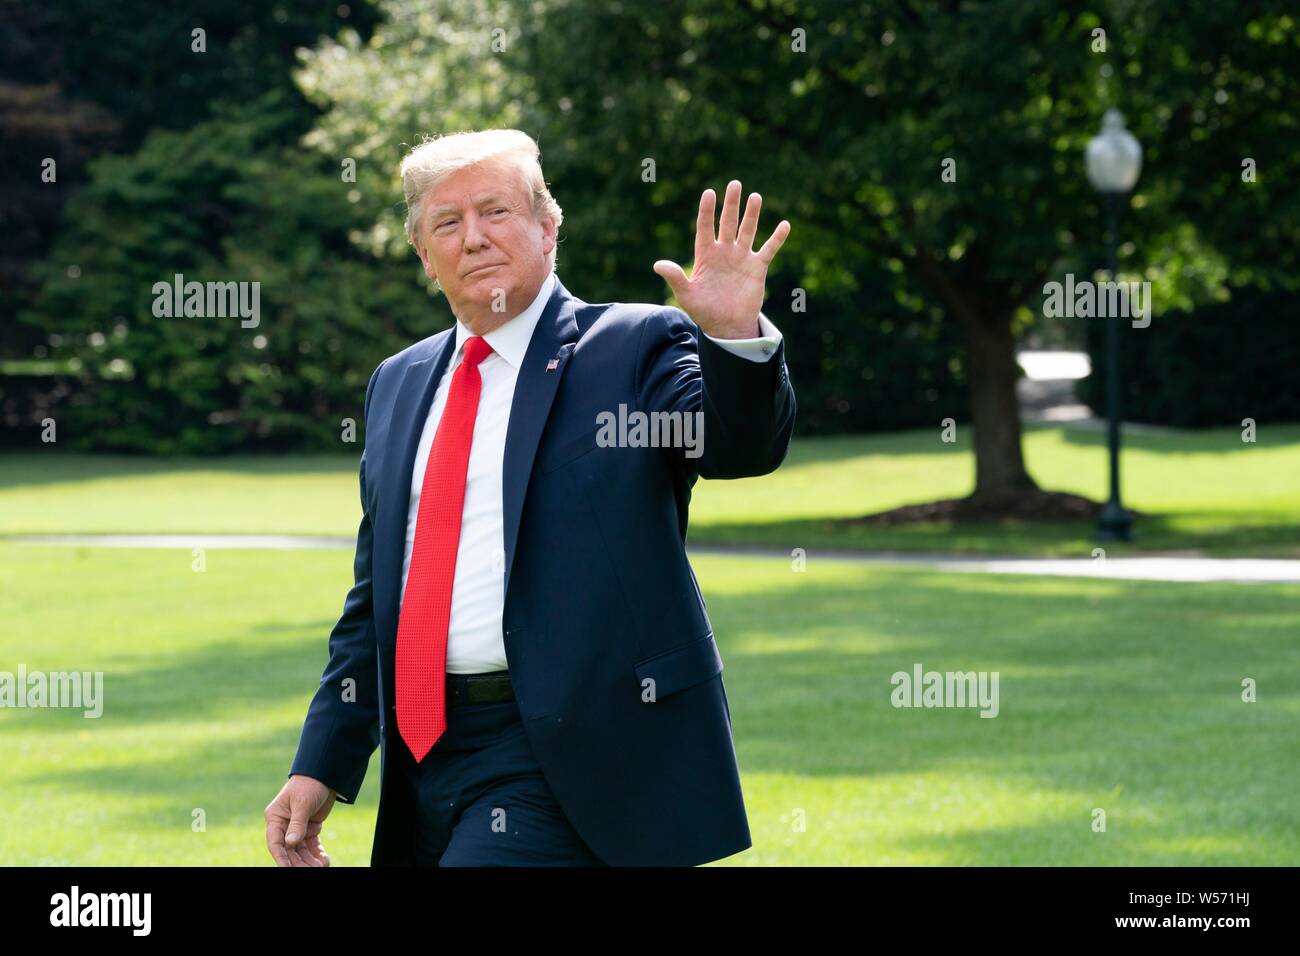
599,594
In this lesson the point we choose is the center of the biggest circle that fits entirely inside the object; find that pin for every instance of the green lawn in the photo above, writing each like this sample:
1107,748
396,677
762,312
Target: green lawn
1123,696
1205,490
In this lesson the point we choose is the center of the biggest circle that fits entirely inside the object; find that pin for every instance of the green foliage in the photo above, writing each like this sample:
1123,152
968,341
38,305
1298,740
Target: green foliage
137,59
866,354
1214,365
228,200
898,370
638,108
79,78
846,138
1207,87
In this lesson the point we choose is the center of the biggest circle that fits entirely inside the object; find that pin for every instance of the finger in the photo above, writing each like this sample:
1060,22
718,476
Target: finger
301,857
315,851
297,824
730,213
275,842
672,273
774,242
321,856
315,848
749,225
704,223
312,858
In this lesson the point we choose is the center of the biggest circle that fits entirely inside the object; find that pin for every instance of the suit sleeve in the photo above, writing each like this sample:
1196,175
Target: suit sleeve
746,409
757,349
342,726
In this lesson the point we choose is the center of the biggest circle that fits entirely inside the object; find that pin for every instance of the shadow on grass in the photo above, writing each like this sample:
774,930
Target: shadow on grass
1103,685
60,466
1184,441
230,773
1070,841
1098,680
1158,532
806,450
231,777
53,465
214,681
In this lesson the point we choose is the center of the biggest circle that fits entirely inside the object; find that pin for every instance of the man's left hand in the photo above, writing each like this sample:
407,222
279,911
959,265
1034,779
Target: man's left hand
725,290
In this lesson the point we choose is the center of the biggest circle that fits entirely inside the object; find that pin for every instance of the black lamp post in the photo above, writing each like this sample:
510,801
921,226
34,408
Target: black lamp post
1113,159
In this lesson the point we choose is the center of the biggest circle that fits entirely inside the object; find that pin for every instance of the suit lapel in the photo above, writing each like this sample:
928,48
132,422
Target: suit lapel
535,387
410,409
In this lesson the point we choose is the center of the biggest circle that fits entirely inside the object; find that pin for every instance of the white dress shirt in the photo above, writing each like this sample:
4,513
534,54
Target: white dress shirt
474,639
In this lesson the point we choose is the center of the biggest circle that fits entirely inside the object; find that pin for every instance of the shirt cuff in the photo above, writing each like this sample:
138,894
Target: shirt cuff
756,350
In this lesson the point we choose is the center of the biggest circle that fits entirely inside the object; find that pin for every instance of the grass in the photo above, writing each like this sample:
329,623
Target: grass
1123,696
1204,490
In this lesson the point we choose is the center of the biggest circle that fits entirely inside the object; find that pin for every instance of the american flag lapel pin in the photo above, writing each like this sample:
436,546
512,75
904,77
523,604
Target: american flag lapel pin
552,365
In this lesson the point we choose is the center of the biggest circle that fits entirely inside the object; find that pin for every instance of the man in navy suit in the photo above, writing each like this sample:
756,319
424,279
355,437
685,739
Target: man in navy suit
525,639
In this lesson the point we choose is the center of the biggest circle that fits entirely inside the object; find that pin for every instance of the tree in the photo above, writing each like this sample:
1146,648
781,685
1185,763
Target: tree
937,143
233,199
80,78
854,120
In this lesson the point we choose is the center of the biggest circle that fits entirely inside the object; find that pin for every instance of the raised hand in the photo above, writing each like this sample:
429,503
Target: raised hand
725,290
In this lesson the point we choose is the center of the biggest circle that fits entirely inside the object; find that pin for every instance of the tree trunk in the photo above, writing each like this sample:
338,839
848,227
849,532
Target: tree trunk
1000,475
1001,481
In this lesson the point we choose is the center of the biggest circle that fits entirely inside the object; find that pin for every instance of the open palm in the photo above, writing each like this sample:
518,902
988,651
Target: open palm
725,289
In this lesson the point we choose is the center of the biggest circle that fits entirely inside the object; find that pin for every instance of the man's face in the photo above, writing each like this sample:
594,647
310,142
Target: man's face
482,244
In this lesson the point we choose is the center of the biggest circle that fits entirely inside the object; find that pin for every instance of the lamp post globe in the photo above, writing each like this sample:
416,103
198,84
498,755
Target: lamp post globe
1113,157
1113,160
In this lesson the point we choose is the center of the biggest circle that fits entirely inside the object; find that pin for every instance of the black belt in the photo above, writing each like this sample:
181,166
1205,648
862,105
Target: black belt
486,688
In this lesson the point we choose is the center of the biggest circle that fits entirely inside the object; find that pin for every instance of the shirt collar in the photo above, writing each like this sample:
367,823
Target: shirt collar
511,339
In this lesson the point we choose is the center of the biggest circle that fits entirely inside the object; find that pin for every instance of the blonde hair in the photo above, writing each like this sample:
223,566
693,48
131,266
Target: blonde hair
438,157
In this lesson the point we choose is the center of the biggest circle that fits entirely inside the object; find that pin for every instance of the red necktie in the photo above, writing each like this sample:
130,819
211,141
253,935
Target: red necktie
426,604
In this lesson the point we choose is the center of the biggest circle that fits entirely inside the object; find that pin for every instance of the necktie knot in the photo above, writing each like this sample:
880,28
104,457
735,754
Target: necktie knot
476,350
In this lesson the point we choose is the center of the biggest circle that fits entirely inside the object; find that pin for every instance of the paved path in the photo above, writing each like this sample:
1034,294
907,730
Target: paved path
1046,394
1148,568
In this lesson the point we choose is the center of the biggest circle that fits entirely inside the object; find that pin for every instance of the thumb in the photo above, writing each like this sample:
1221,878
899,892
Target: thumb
671,273
298,813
